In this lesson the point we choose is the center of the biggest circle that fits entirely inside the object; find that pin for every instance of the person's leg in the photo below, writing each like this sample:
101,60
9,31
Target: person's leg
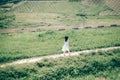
69,52
64,53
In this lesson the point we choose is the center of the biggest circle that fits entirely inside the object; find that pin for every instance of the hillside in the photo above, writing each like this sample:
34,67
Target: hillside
80,14
52,13
33,31
103,65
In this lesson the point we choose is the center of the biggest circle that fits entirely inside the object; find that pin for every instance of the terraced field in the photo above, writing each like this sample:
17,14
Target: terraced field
75,14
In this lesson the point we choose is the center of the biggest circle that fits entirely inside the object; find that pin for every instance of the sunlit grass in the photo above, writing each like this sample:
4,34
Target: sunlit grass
31,44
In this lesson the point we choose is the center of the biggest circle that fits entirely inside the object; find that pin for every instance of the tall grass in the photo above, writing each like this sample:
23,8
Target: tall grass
15,46
6,18
95,66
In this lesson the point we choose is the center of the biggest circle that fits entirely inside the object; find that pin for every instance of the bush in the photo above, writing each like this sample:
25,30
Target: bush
15,1
30,70
101,26
12,73
115,62
45,64
50,32
40,64
9,1
92,67
6,19
113,25
81,14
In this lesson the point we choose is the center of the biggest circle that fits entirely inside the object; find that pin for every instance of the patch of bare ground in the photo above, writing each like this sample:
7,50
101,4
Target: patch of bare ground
102,78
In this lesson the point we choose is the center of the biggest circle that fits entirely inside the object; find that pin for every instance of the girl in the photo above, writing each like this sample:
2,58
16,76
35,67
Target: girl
65,47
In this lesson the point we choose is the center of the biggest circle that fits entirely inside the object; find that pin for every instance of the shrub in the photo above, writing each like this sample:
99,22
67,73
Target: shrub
87,27
81,14
9,1
40,64
115,62
101,26
6,19
45,64
30,70
49,32
75,28
12,73
15,1
92,67
113,25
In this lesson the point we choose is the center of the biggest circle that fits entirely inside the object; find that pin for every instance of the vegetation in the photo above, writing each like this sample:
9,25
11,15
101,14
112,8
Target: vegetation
98,1
77,13
8,1
6,18
100,65
74,0
64,13
31,44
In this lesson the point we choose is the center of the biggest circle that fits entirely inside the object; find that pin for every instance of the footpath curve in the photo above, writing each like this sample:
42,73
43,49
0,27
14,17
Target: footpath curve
36,59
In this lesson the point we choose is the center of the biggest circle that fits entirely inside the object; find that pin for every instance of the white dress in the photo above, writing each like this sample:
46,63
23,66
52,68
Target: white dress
65,47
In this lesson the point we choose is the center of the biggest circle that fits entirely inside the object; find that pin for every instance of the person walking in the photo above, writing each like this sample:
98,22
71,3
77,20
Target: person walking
65,47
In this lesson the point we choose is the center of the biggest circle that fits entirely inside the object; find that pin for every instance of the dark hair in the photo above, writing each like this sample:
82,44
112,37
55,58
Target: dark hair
66,38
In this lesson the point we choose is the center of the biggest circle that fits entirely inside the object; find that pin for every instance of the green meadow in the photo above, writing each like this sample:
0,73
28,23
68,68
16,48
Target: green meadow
37,28
15,46
94,66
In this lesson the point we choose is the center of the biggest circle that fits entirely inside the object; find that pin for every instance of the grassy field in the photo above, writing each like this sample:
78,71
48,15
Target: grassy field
34,43
95,66
15,46
38,14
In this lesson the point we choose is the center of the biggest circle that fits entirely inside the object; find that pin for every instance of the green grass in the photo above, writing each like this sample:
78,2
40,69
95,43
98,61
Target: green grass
6,18
38,14
106,75
15,46
94,66
61,7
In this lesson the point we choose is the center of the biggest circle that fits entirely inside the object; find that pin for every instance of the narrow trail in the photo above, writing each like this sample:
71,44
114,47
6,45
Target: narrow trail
36,59
18,4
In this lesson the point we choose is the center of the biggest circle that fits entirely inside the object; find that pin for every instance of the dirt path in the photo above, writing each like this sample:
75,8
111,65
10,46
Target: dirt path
18,4
36,59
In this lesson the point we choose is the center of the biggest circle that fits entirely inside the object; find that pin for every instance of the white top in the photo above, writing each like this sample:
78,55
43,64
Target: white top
65,46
